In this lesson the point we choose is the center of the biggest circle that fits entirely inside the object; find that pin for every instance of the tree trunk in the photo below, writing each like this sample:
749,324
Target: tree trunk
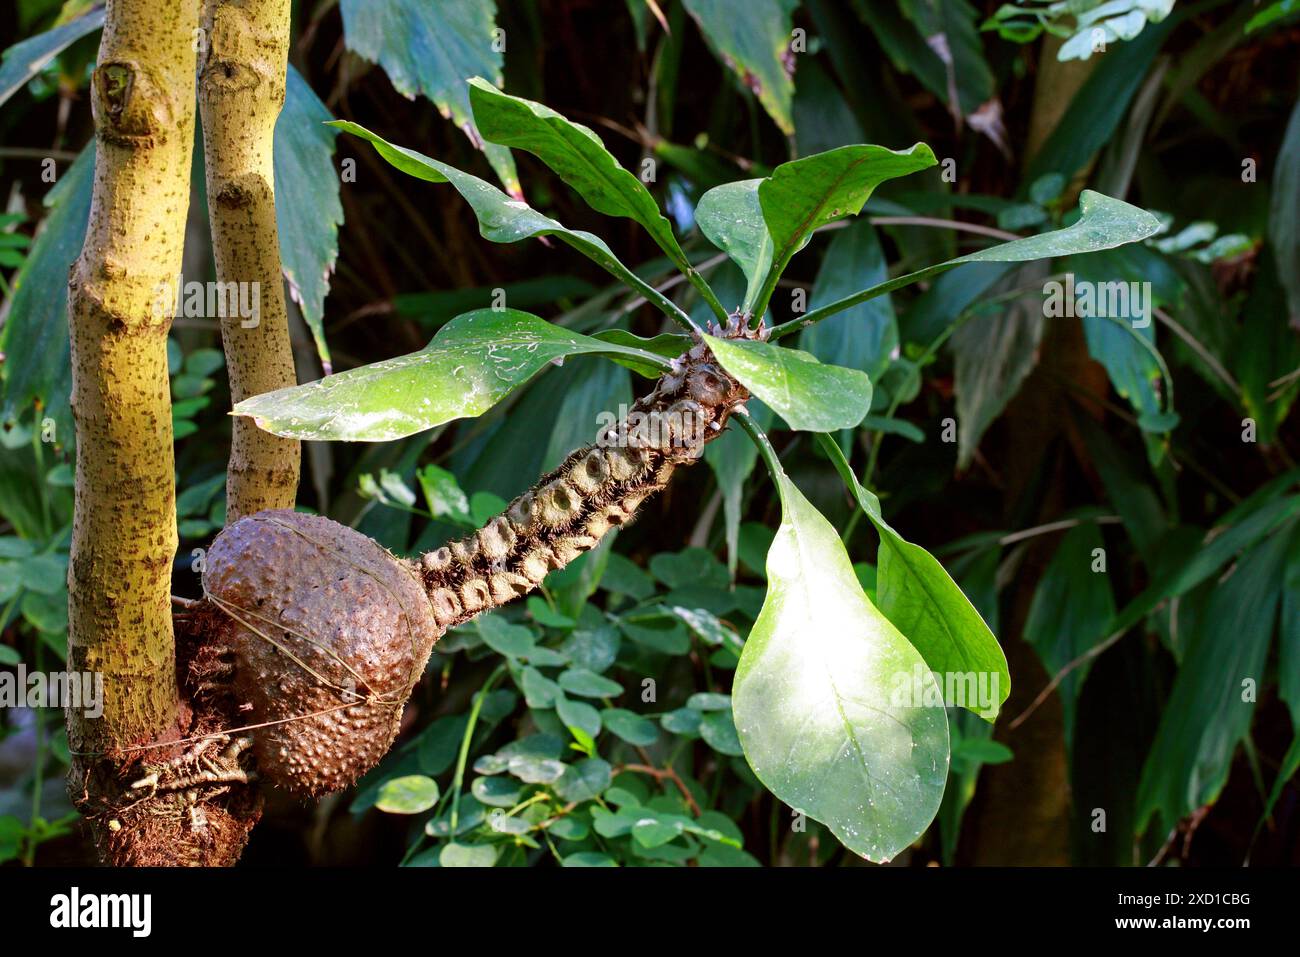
120,297
241,91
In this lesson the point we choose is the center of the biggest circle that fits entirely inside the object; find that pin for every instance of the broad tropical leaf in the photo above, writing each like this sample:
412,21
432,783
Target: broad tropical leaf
471,364
922,601
24,60
805,194
36,327
838,715
752,37
307,206
430,49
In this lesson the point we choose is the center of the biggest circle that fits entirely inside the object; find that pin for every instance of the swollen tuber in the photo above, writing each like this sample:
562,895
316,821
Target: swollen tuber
330,632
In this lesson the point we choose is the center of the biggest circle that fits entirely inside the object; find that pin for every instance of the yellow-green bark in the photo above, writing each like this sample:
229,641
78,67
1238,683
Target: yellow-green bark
119,296
241,91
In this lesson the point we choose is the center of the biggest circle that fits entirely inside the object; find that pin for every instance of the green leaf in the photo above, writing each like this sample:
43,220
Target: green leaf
584,780
1071,609
589,859
24,60
578,715
690,566
805,194
922,601
473,362
308,210
411,794
588,684
10,656
669,345
866,336
630,726
502,219
733,457
752,38
815,697
577,156
36,327
430,49
1209,709
731,217
995,350
443,495
468,855
684,721
513,641
1103,223
808,395
1288,653
718,729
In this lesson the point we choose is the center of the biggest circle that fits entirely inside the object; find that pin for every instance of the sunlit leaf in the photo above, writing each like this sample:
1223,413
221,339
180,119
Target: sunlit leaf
825,696
732,218
472,363
803,391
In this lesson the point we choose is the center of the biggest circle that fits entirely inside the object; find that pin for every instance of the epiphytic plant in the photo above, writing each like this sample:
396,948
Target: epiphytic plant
314,635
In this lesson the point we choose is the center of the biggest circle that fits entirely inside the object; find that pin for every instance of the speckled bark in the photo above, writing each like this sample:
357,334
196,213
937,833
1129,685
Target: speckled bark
124,524
241,91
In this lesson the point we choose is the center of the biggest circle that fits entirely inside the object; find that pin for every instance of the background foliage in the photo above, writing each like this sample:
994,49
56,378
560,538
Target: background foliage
1170,451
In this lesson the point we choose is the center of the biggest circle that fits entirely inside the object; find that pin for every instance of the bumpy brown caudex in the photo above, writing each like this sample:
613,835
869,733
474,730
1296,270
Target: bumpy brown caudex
315,635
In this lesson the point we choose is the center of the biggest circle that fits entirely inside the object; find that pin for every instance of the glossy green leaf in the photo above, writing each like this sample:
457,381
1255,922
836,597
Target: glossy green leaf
1103,223
308,210
503,219
921,600
24,60
577,156
472,363
805,194
752,38
731,217
431,49
824,695
808,395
